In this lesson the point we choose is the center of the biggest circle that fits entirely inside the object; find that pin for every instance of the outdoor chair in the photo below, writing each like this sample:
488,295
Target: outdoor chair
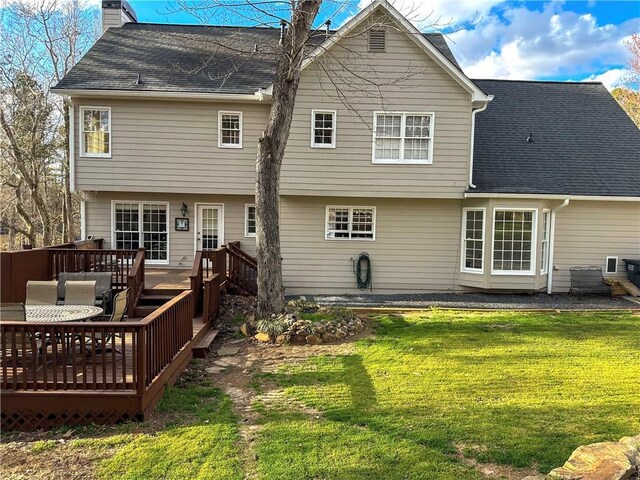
101,341
17,344
80,292
588,280
42,292
104,286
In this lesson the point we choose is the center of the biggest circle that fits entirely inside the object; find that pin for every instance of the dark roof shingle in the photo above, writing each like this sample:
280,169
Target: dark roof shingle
187,58
584,143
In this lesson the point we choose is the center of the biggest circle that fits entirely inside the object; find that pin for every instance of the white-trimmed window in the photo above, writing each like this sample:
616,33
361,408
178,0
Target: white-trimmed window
323,128
142,224
403,137
95,132
473,239
544,252
514,233
611,265
350,223
249,220
229,129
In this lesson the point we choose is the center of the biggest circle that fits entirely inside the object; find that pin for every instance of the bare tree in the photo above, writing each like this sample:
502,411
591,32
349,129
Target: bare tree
628,94
340,75
43,39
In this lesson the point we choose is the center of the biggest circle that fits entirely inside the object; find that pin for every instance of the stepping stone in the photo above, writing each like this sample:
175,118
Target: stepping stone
215,370
228,361
228,351
236,341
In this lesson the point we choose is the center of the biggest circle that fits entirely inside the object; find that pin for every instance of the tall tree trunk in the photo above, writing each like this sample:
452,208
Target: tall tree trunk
67,201
271,147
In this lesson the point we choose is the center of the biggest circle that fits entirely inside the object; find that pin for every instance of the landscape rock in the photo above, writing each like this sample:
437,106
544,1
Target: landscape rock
632,444
598,461
247,329
340,334
214,370
535,477
298,340
313,340
328,337
283,339
262,337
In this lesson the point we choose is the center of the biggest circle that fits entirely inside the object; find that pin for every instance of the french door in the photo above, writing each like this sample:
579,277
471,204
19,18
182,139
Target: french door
210,227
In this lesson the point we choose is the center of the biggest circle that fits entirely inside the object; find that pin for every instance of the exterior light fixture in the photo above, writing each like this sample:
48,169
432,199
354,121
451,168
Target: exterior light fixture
183,209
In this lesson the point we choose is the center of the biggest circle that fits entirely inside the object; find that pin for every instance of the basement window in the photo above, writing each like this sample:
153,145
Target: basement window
377,40
612,265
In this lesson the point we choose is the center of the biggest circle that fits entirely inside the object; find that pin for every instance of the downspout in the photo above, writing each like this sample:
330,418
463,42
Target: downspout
72,147
473,136
552,241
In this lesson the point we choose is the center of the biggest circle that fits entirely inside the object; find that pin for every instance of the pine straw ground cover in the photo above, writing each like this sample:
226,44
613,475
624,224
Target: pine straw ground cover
435,395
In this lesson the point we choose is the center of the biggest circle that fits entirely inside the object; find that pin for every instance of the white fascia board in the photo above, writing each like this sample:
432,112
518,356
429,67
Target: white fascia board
221,97
542,196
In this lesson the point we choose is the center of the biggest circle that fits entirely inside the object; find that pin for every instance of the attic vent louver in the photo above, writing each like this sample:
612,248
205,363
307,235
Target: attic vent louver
377,40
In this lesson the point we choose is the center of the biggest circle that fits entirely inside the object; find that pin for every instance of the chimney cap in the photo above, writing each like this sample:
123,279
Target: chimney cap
121,5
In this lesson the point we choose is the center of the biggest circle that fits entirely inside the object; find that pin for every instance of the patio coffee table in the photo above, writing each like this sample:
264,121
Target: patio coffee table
61,313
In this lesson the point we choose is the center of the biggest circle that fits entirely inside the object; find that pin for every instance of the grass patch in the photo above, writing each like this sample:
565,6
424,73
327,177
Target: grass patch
43,445
199,441
520,389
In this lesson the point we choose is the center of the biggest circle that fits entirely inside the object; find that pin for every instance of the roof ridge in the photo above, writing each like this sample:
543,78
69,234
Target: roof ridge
563,82
162,24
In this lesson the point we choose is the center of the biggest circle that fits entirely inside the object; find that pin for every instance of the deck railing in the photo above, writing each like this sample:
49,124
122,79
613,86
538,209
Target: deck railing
118,262
242,274
212,297
135,282
64,356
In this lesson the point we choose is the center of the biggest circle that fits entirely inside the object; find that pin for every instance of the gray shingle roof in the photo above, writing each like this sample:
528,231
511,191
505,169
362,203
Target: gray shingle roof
584,143
187,58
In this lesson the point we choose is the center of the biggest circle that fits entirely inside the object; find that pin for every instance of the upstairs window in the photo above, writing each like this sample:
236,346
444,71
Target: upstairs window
403,137
350,223
323,128
230,129
249,220
95,132
377,40
473,240
514,241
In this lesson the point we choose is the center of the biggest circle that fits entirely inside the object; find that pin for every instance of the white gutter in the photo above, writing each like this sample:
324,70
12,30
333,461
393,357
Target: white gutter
552,238
473,136
542,196
72,147
258,96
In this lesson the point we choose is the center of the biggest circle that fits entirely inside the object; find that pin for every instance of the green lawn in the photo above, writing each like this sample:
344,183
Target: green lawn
516,389
519,389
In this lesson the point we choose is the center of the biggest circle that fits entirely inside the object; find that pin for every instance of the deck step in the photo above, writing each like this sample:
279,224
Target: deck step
174,292
201,347
630,287
155,298
144,310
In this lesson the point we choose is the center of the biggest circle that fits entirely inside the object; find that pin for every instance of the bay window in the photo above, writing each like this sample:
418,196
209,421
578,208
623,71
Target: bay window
514,241
473,240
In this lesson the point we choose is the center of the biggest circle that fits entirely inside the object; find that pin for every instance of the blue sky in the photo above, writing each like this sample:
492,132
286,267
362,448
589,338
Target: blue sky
559,40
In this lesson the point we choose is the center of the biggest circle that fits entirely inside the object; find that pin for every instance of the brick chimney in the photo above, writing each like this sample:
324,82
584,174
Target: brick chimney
116,13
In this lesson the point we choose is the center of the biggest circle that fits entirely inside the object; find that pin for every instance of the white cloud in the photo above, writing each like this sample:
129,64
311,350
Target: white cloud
611,78
426,13
529,44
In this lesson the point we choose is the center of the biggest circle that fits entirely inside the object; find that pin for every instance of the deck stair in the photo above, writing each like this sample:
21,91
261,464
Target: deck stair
622,286
202,345
631,288
151,299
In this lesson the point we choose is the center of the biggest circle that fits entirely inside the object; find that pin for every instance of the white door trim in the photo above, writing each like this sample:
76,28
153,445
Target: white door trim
196,222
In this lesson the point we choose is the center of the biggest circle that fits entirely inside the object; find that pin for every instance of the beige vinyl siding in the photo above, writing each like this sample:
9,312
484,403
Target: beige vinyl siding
409,82
112,17
181,244
415,248
171,146
589,231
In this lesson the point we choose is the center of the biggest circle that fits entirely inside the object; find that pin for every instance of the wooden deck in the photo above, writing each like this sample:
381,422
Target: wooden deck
114,369
166,278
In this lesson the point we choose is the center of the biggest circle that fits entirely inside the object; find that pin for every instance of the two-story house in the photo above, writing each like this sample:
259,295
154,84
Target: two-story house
448,183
